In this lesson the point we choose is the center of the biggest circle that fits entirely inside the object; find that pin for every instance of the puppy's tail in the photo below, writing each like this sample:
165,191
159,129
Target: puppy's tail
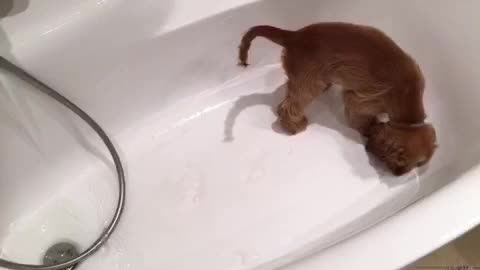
274,34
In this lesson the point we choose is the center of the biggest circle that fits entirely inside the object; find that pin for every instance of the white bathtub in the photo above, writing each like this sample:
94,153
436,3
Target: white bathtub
212,183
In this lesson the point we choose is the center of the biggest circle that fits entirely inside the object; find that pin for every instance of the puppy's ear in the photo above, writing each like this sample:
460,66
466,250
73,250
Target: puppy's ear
396,160
369,146
396,155
375,136
376,129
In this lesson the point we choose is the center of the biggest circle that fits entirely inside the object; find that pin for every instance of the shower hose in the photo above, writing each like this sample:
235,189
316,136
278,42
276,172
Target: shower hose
22,74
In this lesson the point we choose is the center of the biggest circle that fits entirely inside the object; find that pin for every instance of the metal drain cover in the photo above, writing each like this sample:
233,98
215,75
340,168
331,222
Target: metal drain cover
60,253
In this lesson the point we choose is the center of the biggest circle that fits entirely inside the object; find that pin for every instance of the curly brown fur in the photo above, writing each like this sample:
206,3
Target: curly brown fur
376,74
402,148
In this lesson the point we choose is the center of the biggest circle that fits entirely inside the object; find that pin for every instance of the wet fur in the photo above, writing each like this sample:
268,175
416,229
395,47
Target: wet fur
377,77
402,147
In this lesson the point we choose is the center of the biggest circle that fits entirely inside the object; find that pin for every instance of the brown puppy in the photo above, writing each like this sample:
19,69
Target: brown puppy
376,74
402,147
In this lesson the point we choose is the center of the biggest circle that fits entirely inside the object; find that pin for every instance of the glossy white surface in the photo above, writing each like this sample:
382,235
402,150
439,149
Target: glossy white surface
212,183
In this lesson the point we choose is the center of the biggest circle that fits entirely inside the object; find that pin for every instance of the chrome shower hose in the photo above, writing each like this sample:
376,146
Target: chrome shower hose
8,66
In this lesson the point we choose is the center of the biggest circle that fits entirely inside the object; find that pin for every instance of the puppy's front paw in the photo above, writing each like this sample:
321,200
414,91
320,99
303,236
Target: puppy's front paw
294,127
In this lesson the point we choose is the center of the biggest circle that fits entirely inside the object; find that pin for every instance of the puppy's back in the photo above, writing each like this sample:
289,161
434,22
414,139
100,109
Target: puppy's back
343,42
364,58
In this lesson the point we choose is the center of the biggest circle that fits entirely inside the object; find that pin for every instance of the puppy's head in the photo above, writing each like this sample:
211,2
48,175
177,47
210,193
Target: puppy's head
402,148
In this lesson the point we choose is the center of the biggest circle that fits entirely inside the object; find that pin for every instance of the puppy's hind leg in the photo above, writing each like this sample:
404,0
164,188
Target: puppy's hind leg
291,111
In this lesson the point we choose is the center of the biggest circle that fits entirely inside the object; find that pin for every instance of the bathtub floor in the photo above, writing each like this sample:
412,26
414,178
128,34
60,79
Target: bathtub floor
460,253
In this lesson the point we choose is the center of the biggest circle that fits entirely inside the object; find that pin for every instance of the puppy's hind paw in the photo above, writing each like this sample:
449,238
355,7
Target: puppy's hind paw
243,64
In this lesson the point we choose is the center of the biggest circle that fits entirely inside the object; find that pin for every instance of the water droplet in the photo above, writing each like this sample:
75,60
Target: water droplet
256,175
242,258
195,198
103,249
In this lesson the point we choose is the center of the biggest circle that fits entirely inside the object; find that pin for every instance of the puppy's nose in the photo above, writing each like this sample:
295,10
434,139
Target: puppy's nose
398,171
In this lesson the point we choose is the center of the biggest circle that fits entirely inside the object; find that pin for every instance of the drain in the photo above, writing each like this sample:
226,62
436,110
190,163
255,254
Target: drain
60,253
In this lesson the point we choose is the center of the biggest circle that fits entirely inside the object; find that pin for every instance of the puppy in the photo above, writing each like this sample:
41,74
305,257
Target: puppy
402,147
377,75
